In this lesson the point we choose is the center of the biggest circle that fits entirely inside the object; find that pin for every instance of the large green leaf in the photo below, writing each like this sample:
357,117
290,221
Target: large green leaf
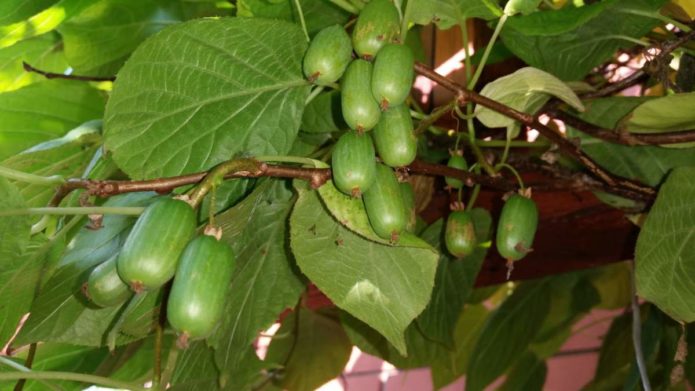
60,312
525,90
454,281
315,351
571,54
447,13
666,114
200,92
44,111
665,253
648,164
100,38
17,276
15,10
317,13
195,369
43,52
615,355
384,286
265,281
450,367
67,156
507,333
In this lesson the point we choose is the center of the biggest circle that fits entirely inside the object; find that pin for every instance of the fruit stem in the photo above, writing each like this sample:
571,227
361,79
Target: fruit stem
479,70
96,210
313,94
78,377
515,172
301,19
346,6
26,177
216,176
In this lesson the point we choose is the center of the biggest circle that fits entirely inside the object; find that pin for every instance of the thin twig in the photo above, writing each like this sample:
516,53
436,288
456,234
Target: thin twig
28,362
619,137
51,75
464,96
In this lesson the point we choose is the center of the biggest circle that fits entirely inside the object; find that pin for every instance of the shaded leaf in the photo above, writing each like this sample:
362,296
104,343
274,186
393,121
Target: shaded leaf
67,156
572,54
60,312
18,277
384,286
665,252
648,164
44,111
99,39
317,13
323,114
265,281
507,333
316,350
42,52
15,10
447,13
454,280
527,374
450,367
613,285
200,92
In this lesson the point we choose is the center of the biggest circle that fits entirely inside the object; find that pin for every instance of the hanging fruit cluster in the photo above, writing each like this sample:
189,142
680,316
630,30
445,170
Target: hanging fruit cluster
162,246
373,88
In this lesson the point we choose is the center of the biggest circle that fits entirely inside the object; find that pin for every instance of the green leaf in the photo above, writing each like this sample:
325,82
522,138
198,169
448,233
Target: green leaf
685,78
595,35
317,13
454,281
15,10
384,286
613,285
350,212
195,369
665,253
67,156
60,312
323,114
41,23
525,7
669,113
421,350
316,350
100,38
43,52
265,281
648,164
525,90
44,111
615,355
61,357
448,13
450,367
17,277
528,374
572,296
507,333
133,362
201,92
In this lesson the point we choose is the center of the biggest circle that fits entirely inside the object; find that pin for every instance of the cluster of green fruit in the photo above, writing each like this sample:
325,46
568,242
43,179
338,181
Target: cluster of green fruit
373,90
161,245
